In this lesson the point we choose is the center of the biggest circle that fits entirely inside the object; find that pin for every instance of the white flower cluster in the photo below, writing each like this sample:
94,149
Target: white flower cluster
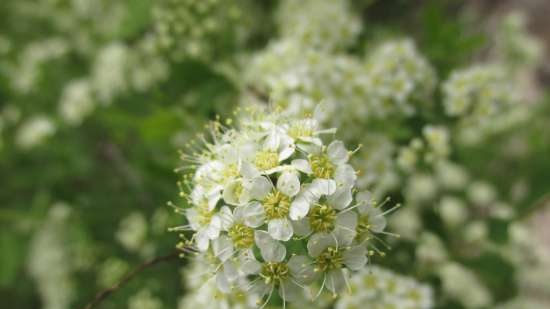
34,131
394,78
31,59
272,203
144,299
463,285
299,77
50,260
306,22
477,93
398,78
378,288
116,70
514,44
433,147
200,28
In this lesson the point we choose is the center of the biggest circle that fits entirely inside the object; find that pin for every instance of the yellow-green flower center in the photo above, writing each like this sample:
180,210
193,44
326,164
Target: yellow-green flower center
276,205
204,214
266,160
322,218
230,171
330,259
363,227
242,236
274,272
321,166
299,130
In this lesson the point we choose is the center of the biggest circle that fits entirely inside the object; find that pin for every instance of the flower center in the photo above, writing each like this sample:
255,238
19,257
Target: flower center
276,205
266,160
274,272
321,166
204,214
322,218
238,190
363,227
298,130
330,259
242,236
230,171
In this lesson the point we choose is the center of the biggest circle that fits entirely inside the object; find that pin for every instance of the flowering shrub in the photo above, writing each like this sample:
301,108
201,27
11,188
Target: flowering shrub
446,111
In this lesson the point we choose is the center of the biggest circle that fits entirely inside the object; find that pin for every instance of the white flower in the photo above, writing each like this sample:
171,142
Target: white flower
274,271
333,255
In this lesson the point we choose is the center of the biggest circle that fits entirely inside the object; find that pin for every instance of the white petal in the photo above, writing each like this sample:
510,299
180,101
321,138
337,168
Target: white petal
270,249
230,271
280,229
248,264
345,175
355,258
202,241
260,187
287,149
301,227
272,141
323,186
249,171
341,198
288,183
253,214
337,152
336,281
290,291
299,208
222,283
302,269
213,229
347,220
318,242
365,200
223,248
302,166
226,217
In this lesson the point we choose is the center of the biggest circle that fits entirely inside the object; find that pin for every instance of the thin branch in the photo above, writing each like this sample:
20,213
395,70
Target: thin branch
101,295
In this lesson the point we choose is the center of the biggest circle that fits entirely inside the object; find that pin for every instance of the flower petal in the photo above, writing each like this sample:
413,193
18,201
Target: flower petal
289,184
270,249
299,208
337,152
336,281
202,240
260,187
341,198
253,214
302,166
301,227
302,269
280,229
321,187
290,291
318,242
223,248
355,258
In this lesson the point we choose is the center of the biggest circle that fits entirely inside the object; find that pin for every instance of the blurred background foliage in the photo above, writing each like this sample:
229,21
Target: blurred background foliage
88,202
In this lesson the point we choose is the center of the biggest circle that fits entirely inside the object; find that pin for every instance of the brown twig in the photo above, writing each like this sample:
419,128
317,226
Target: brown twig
101,295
